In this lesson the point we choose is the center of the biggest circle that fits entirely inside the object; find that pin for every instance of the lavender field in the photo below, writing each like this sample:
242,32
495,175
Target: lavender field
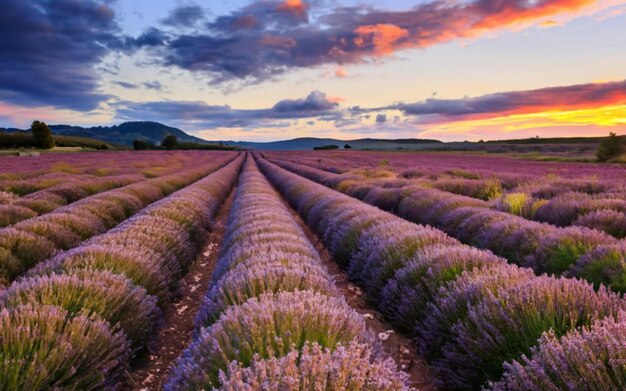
197,270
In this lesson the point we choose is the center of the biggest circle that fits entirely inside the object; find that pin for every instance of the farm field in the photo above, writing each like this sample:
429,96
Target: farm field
325,270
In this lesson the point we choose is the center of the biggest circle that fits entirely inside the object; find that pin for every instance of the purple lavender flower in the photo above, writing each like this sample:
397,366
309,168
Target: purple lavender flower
609,221
590,359
267,326
351,367
506,325
43,348
111,296
604,265
405,297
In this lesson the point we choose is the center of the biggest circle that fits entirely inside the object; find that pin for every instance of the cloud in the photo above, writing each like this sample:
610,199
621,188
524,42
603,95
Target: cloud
201,115
125,84
381,118
572,97
315,103
268,37
152,85
49,49
382,37
185,16
340,72
297,8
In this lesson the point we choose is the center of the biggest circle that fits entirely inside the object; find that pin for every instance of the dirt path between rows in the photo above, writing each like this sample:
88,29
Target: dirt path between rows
398,346
150,370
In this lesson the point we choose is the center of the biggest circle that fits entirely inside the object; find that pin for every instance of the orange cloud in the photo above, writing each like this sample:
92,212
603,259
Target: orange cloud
427,26
548,24
516,13
294,7
382,36
335,99
574,97
341,72
592,121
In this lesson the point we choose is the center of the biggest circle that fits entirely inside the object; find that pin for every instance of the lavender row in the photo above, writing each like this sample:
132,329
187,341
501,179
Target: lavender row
15,209
595,201
273,318
570,251
509,171
604,211
23,175
29,242
469,310
75,321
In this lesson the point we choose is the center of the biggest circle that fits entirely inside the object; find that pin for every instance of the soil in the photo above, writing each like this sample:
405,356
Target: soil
396,345
150,370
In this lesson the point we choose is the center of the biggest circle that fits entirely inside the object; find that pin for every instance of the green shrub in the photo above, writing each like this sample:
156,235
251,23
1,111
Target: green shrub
611,147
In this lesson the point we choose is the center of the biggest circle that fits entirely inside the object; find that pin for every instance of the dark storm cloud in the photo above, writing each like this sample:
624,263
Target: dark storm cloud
270,37
49,48
203,115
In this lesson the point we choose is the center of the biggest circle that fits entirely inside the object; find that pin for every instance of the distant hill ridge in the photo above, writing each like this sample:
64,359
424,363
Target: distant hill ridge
125,133
155,132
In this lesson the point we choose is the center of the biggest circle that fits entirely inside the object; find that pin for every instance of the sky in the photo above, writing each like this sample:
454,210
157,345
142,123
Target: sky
263,70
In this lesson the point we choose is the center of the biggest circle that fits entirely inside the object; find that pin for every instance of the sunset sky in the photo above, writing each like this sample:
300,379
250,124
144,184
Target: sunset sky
277,69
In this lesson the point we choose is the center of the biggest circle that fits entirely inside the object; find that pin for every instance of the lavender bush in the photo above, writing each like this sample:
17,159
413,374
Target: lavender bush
559,250
506,325
609,221
384,248
246,282
590,359
11,214
140,270
111,296
266,326
351,368
405,297
42,348
605,265
20,251
452,303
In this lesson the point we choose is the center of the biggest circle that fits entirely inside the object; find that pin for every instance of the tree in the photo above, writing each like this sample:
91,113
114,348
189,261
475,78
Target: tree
611,147
169,142
141,145
347,146
326,147
42,135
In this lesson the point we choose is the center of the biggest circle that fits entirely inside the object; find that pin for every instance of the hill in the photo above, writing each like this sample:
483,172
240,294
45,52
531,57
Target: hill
122,134
308,143
155,132
550,140
16,138
126,132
